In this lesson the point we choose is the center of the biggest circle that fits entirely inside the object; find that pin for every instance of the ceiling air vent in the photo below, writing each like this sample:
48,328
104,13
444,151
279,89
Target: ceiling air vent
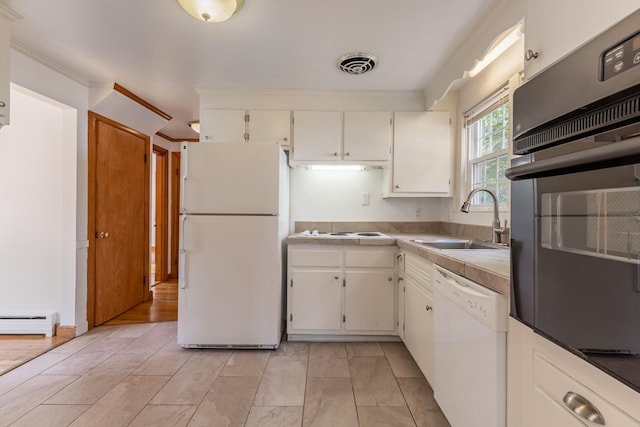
357,63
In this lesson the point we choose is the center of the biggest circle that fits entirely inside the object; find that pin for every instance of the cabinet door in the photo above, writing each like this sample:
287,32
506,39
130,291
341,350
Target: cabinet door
222,125
315,300
367,135
418,324
4,70
317,135
550,35
422,152
270,126
369,301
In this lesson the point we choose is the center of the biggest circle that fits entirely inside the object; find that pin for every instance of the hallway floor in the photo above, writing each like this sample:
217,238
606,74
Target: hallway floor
136,375
18,349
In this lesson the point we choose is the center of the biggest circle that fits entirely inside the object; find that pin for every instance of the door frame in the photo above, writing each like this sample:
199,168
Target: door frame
161,229
175,212
94,118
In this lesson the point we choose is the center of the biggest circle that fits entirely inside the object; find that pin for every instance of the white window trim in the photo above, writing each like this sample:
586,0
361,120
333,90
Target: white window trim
465,185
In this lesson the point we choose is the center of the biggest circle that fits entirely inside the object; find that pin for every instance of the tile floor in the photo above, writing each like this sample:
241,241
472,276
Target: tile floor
136,375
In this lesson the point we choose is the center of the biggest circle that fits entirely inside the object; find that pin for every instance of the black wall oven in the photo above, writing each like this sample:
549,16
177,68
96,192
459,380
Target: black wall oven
575,202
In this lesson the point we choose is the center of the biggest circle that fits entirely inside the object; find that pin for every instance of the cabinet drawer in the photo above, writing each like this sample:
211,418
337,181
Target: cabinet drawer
551,385
419,268
370,258
315,258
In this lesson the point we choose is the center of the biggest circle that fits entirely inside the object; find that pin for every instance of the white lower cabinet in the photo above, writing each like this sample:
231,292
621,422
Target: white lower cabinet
418,333
549,386
333,290
418,312
368,301
316,297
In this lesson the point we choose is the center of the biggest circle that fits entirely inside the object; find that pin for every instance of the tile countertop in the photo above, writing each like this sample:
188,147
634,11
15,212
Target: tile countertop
489,267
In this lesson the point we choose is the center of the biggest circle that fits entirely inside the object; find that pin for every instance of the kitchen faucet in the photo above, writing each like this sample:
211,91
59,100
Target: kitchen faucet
497,229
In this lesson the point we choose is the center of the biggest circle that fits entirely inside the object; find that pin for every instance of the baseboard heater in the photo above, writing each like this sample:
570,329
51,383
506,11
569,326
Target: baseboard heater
28,324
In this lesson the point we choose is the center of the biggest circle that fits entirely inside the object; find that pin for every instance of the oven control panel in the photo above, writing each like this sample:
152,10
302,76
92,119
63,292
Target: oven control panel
620,58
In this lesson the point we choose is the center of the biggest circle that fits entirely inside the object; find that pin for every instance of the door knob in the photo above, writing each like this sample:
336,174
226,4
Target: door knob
102,235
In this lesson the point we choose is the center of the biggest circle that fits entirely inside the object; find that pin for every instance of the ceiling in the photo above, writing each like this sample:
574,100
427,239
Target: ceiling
160,53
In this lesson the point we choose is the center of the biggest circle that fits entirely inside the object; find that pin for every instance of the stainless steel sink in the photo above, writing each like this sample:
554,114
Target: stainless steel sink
459,244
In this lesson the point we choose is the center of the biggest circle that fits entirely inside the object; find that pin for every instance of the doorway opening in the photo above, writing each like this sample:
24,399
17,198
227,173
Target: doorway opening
159,211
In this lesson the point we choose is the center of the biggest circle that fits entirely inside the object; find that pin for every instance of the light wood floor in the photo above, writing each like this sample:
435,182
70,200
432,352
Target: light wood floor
162,308
18,349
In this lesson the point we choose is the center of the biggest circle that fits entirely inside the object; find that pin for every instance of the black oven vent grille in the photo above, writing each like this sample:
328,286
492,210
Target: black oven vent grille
595,121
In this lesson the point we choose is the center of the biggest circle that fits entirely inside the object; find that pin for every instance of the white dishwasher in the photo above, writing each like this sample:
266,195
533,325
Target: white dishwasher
470,360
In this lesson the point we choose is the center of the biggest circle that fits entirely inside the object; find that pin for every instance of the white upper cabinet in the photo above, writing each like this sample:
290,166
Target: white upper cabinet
421,165
362,137
269,126
5,42
259,126
222,125
317,135
367,135
554,28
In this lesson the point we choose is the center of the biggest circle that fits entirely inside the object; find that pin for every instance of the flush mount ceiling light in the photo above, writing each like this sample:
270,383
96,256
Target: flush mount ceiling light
211,10
195,126
357,63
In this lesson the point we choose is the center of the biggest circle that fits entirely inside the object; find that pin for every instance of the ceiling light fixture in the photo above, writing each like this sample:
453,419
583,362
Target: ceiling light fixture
211,10
195,125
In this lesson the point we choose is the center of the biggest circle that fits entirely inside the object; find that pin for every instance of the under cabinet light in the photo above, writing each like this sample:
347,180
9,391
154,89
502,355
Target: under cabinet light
498,49
335,167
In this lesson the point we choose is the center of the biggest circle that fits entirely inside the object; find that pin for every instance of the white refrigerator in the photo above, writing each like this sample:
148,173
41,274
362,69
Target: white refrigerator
233,225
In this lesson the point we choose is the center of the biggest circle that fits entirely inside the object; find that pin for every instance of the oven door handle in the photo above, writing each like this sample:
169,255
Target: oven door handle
617,153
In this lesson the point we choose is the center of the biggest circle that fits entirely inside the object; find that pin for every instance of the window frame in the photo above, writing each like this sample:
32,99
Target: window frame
497,99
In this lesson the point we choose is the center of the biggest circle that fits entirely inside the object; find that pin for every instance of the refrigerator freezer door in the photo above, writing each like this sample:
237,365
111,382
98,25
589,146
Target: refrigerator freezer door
230,289
222,178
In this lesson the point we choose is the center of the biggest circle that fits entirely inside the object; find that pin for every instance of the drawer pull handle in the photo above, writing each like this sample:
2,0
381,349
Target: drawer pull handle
583,408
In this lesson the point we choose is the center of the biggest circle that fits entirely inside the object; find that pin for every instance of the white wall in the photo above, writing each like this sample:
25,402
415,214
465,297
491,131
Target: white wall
34,75
336,196
38,199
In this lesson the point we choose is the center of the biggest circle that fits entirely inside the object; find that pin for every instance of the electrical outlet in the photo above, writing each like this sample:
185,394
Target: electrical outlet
365,199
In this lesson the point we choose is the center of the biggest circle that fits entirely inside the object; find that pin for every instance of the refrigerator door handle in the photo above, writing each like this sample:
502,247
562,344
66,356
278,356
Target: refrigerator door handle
185,172
182,258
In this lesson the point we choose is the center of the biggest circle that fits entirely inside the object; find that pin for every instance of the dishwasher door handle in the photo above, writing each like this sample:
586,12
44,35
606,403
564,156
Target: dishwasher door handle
465,289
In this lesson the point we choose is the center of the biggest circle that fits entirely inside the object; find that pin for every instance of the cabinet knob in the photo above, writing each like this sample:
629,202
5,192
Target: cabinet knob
335,154
530,55
428,307
336,277
396,186
390,279
208,137
2,104
346,154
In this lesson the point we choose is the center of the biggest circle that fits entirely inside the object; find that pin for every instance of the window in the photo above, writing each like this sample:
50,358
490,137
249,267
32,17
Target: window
487,128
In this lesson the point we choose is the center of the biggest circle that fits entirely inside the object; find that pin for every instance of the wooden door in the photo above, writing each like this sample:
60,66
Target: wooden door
175,212
118,219
161,207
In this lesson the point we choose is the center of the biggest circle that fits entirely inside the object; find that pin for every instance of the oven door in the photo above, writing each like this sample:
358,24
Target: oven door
587,252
